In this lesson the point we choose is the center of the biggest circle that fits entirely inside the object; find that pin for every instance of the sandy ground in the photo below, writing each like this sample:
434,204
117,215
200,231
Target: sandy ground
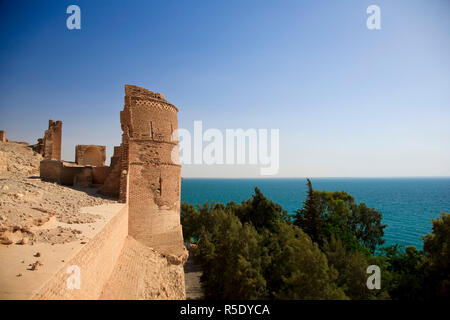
24,269
32,210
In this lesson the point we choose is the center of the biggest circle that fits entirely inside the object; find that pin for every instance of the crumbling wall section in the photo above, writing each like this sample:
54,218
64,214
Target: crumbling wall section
99,174
90,155
50,170
68,174
150,178
50,145
111,185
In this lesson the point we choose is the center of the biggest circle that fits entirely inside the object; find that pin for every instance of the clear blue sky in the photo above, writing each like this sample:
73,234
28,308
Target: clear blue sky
348,101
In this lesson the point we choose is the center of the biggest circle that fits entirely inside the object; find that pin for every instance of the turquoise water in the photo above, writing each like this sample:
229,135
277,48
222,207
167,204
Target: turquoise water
407,204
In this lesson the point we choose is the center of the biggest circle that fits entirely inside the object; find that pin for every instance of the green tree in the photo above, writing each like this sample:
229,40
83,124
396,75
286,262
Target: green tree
310,217
260,212
298,269
405,276
190,221
436,247
230,256
252,251
355,224
367,225
351,267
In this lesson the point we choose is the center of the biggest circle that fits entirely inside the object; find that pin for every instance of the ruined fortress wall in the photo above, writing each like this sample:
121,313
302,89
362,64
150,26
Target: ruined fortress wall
123,171
99,174
115,159
50,170
96,260
151,168
90,155
2,136
150,180
147,177
111,185
69,174
52,141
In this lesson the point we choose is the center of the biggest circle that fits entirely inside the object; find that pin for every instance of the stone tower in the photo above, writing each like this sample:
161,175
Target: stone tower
150,177
52,141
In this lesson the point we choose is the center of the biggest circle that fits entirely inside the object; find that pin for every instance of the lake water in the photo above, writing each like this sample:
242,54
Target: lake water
407,204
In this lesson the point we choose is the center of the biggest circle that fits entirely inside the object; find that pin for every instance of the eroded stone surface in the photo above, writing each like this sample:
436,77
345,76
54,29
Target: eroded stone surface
90,155
143,273
50,145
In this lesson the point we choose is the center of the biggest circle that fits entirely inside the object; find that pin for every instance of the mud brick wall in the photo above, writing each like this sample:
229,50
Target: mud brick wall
150,181
57,171
90,155
68,174
99,174
111,185
50,170
52,141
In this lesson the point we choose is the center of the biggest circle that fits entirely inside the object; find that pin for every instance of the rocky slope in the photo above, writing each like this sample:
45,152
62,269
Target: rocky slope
18,160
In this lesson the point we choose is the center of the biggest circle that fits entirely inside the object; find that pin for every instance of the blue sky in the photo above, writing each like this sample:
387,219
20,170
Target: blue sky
348,101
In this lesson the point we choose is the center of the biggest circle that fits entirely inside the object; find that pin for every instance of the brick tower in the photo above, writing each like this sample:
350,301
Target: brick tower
149,178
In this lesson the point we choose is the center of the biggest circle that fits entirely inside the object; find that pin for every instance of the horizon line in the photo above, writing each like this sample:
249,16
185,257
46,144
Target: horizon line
320,177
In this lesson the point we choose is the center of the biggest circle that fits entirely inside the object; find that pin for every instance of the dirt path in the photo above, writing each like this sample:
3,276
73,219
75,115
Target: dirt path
192,275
